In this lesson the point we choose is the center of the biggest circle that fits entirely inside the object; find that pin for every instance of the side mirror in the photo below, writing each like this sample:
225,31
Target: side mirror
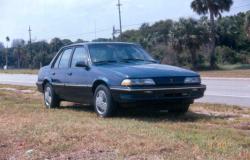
82,64
158,61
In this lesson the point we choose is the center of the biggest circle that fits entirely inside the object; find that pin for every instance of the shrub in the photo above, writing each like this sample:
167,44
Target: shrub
226,55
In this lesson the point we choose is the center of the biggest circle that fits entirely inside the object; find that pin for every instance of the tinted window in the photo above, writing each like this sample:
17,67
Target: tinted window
64,62
79,55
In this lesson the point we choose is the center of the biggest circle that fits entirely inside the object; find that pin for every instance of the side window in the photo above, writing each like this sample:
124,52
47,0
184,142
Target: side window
57,61
64,62
80,54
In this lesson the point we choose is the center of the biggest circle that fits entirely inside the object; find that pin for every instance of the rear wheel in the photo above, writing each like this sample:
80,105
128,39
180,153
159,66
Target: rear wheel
179,108
103,102
51,100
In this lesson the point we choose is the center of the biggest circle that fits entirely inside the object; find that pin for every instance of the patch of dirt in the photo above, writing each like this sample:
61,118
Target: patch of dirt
88,154
77,155
145,157
18,91
243,126
229,115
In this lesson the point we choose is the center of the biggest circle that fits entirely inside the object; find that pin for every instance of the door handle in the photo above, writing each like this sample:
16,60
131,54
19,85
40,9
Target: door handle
69,74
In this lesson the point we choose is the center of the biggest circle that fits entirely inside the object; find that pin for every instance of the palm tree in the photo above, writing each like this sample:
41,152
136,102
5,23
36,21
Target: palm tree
189,34
6,56
247,24
214,8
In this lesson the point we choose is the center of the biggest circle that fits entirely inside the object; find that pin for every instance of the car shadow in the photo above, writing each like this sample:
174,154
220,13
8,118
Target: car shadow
151,116
161,116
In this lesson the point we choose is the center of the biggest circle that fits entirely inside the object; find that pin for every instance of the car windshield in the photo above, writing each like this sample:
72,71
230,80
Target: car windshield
118,53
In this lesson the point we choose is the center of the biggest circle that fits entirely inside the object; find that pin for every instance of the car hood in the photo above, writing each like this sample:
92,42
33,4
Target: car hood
147,70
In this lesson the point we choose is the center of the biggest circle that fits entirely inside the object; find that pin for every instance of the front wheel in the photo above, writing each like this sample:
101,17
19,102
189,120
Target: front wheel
50,98
103,102
179,108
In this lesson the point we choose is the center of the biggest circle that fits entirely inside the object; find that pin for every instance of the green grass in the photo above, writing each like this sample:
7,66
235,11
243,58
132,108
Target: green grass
206,132
239,73
228,71
234,66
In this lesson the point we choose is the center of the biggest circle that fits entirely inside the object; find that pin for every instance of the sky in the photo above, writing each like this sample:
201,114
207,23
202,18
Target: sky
88,19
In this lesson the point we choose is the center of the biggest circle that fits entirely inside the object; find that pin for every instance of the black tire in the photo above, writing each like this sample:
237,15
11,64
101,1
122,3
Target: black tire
103,93
180,108
55,101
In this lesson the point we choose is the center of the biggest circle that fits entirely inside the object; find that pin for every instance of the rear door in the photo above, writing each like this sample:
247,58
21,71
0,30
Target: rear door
78,83
58,73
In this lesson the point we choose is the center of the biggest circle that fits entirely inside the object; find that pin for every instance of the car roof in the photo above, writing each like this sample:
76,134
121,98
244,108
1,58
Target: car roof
89,43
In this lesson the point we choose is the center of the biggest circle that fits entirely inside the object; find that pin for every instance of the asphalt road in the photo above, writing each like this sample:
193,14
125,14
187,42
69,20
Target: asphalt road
232,91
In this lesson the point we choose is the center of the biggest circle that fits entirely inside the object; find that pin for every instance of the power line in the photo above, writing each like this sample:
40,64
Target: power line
124,26
88,33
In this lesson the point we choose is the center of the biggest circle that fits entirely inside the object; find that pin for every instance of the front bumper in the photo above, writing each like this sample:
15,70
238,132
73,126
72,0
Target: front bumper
157,94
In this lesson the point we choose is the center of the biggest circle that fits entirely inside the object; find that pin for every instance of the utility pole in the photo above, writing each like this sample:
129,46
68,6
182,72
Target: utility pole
95,30
30,50
6,56
30,35
114,32
120,18
30,40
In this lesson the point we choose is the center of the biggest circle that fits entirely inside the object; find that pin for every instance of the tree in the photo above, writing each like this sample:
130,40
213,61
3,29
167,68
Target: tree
191,35
6,54
43,49
66,42
18,45
1,46
55,45
247,24
1,53
214,8
79,41
161,31
102,40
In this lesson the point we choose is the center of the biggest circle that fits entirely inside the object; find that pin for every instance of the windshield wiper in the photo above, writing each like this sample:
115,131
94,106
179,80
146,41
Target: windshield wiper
107,61
137,59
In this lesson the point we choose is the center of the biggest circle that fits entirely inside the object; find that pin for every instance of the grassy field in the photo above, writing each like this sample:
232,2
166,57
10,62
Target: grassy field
238,73
228,71
28,131
19,71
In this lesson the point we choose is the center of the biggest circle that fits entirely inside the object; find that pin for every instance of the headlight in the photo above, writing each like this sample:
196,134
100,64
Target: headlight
192,80
137,82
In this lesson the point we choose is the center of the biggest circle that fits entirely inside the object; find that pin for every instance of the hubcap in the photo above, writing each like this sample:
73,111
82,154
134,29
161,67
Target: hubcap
47,96
101,102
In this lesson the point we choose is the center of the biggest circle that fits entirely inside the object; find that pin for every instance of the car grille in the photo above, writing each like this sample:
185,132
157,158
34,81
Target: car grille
169,81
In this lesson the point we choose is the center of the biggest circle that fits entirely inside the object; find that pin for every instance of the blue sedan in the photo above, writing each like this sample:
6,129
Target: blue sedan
111,75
